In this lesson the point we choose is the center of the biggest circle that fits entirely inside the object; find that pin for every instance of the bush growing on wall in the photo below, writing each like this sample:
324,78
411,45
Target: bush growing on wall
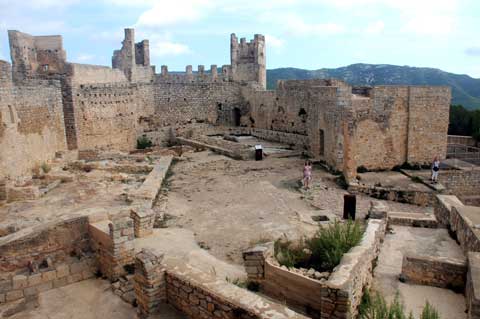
143,142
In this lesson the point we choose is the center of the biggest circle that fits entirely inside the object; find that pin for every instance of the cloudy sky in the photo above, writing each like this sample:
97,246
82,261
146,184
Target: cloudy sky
309,34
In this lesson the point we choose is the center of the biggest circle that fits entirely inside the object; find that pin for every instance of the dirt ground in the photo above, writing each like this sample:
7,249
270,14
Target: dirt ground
231,205
88,299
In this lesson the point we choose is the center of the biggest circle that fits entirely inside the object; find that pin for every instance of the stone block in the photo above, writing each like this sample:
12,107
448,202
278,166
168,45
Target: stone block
14,295
19,282
49,275
63,271
34,280
60,282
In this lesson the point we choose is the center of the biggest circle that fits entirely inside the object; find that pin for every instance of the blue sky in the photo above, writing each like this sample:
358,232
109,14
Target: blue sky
309,34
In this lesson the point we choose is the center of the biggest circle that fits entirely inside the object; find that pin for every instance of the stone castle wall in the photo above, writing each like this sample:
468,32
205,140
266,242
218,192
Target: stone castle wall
32,128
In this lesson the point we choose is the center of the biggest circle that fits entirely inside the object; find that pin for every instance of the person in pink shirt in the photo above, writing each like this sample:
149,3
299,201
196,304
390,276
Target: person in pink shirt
307,174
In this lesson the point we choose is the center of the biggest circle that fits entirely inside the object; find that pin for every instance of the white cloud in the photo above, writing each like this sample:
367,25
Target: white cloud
166,13
375,27
165,48
274,42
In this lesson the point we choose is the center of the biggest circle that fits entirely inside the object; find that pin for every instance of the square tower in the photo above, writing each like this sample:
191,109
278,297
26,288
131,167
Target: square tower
248,60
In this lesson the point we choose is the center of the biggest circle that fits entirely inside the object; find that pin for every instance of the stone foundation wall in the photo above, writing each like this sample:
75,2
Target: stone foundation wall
340,295
461,182
472,289
443,208
414,197
29,284
55,241
149,283
345,286
113,246
435,271
465,230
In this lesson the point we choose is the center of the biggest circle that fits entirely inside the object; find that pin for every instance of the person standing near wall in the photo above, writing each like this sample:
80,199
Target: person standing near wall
307,174
435,169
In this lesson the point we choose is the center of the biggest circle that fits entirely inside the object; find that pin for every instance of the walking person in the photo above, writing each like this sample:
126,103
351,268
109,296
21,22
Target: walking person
435,169
307,174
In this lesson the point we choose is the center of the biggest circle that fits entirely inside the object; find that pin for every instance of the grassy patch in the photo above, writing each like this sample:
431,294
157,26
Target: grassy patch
324,250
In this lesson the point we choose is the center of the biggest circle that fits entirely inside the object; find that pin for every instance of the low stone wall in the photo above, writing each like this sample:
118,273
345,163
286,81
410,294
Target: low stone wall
435,271
472,289
345,286
443,208
54,241
413,197
296,290
145,195
461,182
197,294
112,241
216,149
25,285
339,296
467,233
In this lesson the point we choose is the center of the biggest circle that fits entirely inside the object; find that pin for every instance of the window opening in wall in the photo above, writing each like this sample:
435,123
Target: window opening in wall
236,116
219,106
12,117
303,115
45,67
322,143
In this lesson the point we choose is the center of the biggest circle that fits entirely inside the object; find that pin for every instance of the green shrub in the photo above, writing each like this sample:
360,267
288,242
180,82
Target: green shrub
46,168
323,251
429,312
143,142
330,243
377,308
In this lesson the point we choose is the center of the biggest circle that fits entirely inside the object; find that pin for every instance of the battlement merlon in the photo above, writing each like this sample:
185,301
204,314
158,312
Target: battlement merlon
248,60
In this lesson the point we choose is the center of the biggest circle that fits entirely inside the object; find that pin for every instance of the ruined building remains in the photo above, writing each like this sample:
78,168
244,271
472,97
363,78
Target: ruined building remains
50,106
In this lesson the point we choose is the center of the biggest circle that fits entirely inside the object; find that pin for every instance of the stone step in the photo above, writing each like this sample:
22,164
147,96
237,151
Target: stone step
412,219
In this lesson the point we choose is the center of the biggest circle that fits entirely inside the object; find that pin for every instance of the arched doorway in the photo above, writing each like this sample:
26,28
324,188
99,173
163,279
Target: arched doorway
236,116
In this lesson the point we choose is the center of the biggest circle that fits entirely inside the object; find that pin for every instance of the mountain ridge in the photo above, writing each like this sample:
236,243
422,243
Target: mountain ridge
465,89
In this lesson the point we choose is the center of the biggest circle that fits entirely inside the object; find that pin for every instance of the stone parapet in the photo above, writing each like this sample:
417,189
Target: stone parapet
254,261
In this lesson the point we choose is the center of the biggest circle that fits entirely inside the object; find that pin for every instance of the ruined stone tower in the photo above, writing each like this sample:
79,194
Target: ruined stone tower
248,60
131,54
36,56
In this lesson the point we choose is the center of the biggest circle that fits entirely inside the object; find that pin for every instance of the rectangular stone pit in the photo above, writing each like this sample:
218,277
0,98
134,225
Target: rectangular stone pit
339,296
